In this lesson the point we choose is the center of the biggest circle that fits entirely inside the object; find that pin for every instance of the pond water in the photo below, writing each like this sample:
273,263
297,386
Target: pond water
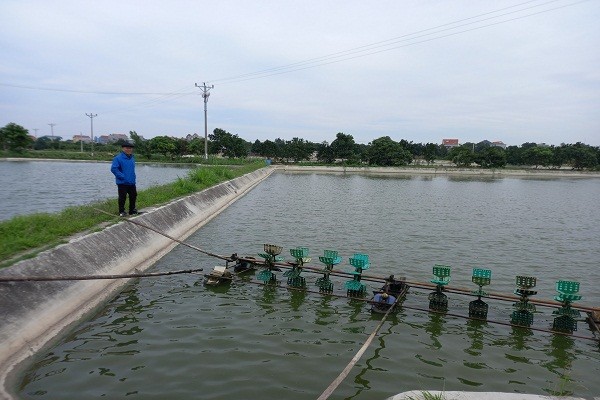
172,337
50,186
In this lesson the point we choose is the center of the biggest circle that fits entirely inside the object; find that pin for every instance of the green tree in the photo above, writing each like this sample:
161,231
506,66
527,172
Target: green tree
538,156
343,147
386,152
196,146
429,152
163,145
481,146
256,148
227,144
300,149
181,147
462,156
325,153
582,156
270,149
42,143
559,156
491,157
14,137
142,147
514,155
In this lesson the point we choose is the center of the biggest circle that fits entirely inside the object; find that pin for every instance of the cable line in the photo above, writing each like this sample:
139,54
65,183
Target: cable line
208,253
94,277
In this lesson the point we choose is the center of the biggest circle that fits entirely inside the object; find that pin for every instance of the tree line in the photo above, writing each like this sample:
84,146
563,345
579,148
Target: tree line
382,151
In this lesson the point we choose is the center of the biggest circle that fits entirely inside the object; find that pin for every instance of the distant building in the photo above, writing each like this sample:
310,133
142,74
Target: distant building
81,138
112,138
499,143
449,143
190,137
57,138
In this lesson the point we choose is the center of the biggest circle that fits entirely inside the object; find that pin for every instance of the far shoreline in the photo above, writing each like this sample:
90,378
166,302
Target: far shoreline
443,171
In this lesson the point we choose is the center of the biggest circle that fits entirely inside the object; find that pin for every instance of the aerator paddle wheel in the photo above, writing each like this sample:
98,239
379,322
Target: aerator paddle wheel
329,258
355,288
523,314
293,275
438,301
479,308
567,293
271,256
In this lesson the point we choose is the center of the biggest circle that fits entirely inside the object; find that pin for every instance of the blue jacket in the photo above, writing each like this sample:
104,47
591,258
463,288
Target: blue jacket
379,298
123,167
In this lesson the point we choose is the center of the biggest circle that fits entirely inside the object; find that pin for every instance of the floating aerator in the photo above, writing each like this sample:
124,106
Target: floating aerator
523,314
438,301
329,258
567,293
293,275
479,308
355,288
271,255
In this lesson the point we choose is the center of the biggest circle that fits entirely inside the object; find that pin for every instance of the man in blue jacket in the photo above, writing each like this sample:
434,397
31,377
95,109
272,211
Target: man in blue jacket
123,167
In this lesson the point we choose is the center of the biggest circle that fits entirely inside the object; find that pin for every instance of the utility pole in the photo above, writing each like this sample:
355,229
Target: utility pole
92,128
52,130
81,141
36,129
205,93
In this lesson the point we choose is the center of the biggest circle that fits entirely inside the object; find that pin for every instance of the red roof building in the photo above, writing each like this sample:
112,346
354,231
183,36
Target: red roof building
448,143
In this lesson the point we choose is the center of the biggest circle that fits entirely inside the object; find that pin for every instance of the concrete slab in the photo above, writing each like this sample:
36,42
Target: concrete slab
429,394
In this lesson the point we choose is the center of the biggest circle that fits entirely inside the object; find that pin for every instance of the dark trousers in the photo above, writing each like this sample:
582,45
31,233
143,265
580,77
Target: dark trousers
124,191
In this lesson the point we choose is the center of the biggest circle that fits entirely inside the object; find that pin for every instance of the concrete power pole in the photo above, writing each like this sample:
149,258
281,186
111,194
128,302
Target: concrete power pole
92,128
205,93
52,130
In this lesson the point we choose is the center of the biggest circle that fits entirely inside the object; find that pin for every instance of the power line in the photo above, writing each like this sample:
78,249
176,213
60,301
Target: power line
353,50
148,103
368,50
352,53
84,91
406,40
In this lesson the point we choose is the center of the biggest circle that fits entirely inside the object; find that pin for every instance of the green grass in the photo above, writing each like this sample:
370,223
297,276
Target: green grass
429,396
25,236
104,153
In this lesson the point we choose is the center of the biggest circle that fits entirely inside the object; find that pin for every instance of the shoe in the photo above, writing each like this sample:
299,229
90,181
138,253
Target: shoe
123,214
133,212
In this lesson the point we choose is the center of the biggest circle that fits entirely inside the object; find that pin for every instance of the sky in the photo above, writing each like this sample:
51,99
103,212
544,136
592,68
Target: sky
420,70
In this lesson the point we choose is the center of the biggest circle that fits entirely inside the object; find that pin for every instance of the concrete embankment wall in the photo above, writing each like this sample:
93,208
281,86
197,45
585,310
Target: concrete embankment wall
34,314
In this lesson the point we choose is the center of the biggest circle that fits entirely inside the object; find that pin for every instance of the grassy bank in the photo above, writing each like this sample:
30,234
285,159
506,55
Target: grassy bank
25,236
104,154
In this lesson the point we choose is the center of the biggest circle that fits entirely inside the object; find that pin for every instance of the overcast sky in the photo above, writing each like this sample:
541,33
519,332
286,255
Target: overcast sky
420,70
